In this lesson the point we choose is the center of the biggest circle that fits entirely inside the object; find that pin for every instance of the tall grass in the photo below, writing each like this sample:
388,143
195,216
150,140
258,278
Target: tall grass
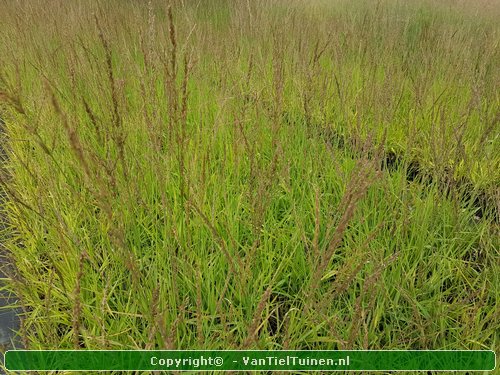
221,174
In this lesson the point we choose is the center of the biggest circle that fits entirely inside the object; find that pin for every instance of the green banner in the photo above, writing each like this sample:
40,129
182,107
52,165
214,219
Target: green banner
235,360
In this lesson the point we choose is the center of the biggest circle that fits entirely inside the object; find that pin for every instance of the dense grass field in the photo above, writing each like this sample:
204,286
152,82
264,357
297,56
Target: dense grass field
252,174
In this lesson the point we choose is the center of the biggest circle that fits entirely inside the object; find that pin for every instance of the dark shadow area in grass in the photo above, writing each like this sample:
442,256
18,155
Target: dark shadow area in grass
275,322
9,316
478,200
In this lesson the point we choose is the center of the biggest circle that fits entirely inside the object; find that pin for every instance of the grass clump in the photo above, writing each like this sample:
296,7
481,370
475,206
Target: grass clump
284,175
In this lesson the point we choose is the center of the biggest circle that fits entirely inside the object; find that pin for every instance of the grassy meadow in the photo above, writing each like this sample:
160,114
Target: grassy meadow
252,174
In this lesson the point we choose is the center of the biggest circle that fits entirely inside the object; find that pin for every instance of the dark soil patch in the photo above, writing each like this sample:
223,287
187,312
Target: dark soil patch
482,202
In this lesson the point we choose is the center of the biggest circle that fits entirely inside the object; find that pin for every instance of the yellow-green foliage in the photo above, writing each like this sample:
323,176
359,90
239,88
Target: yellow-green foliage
214,174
